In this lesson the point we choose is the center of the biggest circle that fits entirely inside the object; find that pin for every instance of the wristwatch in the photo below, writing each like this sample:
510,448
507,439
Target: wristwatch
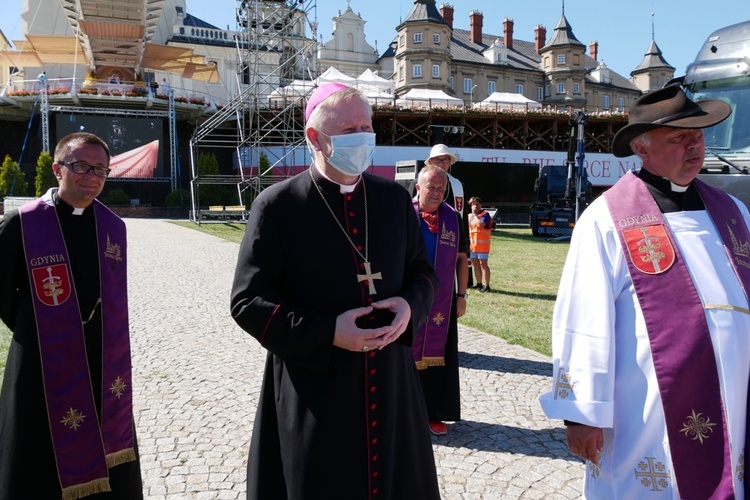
461,295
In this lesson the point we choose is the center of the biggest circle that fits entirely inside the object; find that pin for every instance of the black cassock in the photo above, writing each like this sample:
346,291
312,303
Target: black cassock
332,423
27,461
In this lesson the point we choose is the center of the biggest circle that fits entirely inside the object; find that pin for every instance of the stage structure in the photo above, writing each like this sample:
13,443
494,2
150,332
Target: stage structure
277,62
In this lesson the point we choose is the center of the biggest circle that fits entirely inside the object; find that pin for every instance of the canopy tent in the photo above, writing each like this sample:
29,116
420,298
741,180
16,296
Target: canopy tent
507,100
379,98
336,76
369,81
422,98
290,94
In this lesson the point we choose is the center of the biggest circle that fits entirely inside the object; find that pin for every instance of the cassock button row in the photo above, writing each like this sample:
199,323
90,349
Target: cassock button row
359,247
374,423
348,197
351,214
373,407
375,491
355,231
373,389
375,474
370,300
373,371
374,458
372,353
375,441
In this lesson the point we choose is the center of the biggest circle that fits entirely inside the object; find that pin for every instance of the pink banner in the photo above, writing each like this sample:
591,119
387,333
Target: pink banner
137,163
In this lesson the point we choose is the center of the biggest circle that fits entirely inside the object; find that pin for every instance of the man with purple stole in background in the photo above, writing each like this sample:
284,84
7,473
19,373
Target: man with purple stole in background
435,349
66,409
651,328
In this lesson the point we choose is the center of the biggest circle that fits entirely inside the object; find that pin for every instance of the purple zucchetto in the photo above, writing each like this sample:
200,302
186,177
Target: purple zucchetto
320,94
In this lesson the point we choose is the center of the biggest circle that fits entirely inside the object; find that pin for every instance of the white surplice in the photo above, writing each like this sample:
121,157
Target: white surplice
603,373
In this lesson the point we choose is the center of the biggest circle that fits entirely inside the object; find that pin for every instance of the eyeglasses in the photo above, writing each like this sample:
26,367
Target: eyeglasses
441,159
82,168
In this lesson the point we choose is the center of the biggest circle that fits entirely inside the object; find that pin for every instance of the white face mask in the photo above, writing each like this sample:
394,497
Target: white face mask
351,153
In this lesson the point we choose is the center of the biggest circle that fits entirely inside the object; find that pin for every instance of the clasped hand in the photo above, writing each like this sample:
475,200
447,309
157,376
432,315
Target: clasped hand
353,338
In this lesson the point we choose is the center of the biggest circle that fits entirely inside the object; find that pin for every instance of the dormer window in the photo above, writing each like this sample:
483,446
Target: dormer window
436,38
417,37
560,58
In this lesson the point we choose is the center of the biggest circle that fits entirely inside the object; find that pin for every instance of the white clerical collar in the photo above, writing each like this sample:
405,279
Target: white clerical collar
678,189
343,188
78,211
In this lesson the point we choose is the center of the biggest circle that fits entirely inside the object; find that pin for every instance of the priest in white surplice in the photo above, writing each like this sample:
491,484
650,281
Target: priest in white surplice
651,330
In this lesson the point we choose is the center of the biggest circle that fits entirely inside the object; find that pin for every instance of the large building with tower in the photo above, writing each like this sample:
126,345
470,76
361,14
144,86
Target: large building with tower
237,91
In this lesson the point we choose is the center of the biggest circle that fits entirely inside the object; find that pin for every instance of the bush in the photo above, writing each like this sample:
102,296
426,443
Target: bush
12,180
117,197
45,177
178,198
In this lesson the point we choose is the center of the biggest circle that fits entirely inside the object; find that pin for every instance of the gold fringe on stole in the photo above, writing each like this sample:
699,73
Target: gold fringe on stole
86,489
425,363
120,457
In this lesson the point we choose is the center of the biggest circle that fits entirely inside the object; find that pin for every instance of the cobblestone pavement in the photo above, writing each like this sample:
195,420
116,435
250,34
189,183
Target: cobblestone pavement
197,380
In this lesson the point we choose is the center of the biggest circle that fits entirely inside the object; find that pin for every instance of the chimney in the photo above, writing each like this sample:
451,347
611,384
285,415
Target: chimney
446,10
475,21
540,37
508,32
594,49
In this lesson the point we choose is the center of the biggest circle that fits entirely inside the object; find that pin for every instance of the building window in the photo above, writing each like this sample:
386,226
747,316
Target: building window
467,85
547,89
436,38
621,104
519,89
560,58
539,94
401,73
490,87
560,88
576,88
417,37
417,71
401,41
606,101
436,71
452,84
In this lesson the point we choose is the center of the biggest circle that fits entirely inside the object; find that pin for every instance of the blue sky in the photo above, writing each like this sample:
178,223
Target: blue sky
623,29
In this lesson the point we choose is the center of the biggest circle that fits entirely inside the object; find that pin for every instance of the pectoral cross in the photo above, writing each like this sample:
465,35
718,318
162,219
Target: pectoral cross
369,277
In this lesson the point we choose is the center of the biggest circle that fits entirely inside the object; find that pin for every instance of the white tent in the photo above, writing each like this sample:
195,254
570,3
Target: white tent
423,98
379,98
507,100
336,76
290,94
368,80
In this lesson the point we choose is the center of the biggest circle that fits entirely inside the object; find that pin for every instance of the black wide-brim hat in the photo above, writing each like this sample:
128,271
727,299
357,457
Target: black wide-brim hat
667,107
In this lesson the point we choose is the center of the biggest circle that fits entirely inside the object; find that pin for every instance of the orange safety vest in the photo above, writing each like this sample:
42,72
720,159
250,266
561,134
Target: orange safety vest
479,236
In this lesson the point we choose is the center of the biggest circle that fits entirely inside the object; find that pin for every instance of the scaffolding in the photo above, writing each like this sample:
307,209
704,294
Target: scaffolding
277,61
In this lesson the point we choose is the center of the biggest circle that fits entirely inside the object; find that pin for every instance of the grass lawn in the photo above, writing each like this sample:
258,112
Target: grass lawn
525,273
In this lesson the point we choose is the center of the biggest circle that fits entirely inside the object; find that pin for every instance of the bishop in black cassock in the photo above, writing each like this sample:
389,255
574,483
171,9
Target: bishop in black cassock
334,422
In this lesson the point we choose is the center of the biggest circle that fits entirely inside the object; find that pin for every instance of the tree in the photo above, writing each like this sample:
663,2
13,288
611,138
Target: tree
180,197
209,194
12,180
45,176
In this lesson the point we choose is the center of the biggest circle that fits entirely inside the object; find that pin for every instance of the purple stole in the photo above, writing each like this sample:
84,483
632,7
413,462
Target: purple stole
428,348
683,354
84,450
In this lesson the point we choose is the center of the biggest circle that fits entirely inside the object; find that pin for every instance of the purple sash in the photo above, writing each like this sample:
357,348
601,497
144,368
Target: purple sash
683,354
83,449
428,348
